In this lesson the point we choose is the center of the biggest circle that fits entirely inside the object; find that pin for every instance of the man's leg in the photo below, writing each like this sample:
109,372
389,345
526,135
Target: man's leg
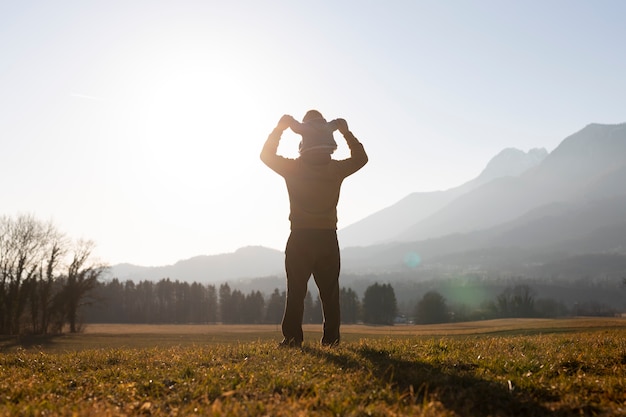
298,269
326,274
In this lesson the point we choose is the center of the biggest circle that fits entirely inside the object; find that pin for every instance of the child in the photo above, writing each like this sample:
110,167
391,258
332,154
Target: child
317,133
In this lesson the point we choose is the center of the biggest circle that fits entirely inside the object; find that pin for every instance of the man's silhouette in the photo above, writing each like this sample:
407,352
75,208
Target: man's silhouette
313,184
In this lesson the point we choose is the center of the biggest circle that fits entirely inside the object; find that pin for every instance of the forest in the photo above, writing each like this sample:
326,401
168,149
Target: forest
179,302
170,302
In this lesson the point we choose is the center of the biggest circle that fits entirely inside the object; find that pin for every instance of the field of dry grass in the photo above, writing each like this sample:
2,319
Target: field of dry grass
570,367
475,327
147,335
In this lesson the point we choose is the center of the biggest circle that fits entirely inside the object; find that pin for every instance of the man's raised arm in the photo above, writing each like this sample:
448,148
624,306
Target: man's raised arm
357,153
269,152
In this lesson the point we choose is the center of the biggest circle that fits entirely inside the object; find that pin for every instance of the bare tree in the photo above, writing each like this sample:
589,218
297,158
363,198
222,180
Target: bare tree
42,297
518,301
24,244
82,278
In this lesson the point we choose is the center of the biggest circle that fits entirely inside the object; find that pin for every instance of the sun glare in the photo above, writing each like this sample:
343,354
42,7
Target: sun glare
188,106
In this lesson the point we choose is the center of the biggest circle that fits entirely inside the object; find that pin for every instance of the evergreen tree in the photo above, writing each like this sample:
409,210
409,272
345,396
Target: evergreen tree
225,304
144,300
275,307
253,308
379,304
431,309
309,309
350,306
197,303
236,307
212,304
317,316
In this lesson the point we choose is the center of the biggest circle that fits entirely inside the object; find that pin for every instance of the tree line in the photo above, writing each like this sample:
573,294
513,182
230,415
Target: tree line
515,301
48,282
45,278
176,302
172,302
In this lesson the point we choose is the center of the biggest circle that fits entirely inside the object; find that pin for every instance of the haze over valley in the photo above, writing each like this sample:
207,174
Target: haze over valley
548,217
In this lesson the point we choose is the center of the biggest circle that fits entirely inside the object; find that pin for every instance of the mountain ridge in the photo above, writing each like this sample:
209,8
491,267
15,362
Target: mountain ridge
579,160
389,222
245,262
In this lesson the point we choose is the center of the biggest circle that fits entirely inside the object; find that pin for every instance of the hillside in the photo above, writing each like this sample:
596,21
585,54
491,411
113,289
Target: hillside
251,261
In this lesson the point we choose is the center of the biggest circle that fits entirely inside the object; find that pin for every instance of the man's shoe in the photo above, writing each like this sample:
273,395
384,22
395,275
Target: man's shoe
291,343
329,343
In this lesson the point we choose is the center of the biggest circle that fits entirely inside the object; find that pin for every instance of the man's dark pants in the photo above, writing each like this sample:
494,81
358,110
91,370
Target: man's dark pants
312,252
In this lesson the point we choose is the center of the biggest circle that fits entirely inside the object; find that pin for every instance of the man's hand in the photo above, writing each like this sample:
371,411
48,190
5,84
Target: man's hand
342,126
284,122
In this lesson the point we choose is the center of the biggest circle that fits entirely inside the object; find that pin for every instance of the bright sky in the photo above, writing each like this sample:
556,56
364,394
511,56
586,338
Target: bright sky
138,124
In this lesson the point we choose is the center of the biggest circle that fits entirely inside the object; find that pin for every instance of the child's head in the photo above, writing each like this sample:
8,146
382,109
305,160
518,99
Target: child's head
312,115
317,133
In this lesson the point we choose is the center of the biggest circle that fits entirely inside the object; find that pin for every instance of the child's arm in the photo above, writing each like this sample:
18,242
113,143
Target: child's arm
334,124
295,125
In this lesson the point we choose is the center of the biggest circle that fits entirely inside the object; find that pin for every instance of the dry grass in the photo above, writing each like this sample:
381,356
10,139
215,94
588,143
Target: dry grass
475,327
568,367
146,336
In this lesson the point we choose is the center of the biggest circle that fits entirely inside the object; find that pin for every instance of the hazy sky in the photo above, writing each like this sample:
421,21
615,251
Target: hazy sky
138,124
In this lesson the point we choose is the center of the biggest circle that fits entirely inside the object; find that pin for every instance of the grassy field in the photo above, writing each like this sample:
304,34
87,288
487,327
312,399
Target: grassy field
567,367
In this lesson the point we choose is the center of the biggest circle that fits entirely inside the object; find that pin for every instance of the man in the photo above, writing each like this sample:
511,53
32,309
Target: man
313,184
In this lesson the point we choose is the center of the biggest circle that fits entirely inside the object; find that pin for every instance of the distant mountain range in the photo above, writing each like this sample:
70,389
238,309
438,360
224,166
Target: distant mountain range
524,210
247,262
392,223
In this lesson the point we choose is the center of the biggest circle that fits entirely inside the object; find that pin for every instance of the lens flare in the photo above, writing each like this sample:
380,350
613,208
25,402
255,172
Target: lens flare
412,260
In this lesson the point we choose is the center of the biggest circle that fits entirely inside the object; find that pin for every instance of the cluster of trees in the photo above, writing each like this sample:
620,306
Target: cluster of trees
515,301
165,301
168,301
44,277
379,304
173,302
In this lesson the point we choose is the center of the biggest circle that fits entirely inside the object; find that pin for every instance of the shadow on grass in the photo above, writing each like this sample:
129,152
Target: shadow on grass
28,341
456,387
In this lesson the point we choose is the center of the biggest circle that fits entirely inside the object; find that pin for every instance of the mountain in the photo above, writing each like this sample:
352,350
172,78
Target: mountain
247,262
582,162
584,156
392,221
511,162
554,231
573,203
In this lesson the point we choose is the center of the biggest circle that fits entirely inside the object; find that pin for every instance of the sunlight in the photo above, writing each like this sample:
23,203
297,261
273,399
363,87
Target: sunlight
188,110
186,132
